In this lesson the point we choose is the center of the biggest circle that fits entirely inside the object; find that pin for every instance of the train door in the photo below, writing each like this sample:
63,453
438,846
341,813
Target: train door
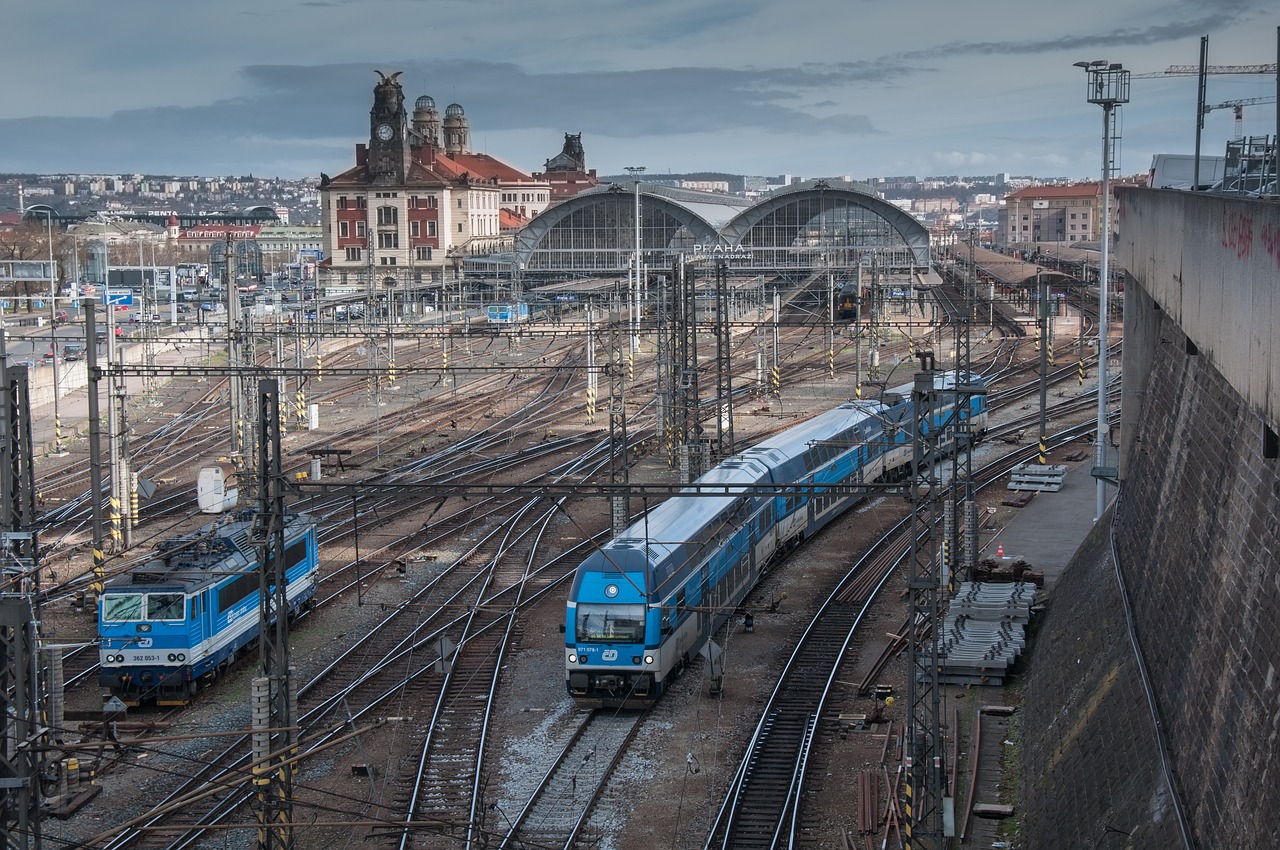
204,622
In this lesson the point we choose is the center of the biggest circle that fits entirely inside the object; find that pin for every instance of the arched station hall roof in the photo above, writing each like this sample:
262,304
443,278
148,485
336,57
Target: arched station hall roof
808,225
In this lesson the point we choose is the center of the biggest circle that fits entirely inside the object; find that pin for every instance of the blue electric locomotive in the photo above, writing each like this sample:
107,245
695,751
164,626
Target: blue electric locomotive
647,602
183,616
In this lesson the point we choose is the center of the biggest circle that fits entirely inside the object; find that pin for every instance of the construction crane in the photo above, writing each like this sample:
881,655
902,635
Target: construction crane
1238,106
1194,70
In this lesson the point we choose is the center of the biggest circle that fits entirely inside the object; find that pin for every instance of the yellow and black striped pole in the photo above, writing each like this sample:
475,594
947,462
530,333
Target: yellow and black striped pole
319,368
300,406
1080,371
117,535
591,405
631,366
1044,449
775,378
133,498
391,373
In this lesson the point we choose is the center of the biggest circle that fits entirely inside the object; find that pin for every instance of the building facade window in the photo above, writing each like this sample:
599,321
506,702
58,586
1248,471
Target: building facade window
388,215
353,254
431,228
423,252
389,239
388,261
342,202
344,229
359,229
415,228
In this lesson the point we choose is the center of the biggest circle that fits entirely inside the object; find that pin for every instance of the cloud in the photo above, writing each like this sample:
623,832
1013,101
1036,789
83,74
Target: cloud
300,103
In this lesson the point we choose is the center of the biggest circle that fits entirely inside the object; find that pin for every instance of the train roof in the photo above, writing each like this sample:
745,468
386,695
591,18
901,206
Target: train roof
825,426
204,556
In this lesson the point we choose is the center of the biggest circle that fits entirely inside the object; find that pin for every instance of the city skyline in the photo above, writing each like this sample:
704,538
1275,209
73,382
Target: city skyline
814,88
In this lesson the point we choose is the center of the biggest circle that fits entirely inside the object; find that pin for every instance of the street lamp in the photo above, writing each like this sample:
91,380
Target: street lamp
53,328
1107,86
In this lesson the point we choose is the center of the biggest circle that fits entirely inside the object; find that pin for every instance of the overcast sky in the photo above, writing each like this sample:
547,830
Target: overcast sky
805,87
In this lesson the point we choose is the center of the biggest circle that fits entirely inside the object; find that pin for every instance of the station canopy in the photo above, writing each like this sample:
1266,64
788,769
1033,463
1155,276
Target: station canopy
806,226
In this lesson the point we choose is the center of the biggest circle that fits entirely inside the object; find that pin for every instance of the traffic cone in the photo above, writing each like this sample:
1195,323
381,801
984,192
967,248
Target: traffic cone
1000,551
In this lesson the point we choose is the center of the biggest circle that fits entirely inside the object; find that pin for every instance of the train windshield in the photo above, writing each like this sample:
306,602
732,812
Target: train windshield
166,606
610,623
122,607
130,607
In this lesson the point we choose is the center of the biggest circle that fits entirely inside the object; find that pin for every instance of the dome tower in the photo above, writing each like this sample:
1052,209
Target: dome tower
456,130
426,120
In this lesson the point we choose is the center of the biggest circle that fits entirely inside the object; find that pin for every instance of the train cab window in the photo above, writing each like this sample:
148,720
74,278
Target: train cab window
165,606
195,608
120,608
610,623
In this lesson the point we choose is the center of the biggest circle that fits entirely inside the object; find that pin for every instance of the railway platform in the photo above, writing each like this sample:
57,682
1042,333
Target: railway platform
1047,532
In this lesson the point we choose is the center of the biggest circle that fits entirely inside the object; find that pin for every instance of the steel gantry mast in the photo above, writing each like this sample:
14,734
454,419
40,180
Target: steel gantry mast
923,757
724,370
24,730
684,368
941,405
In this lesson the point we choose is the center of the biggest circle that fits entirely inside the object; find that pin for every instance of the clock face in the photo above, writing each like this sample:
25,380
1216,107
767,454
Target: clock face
385,132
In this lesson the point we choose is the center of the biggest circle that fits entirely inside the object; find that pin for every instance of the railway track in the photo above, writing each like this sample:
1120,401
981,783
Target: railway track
764,804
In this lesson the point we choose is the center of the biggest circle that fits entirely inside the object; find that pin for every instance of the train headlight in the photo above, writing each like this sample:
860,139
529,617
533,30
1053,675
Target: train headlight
648,659
635,659
172,658
182,656
573,658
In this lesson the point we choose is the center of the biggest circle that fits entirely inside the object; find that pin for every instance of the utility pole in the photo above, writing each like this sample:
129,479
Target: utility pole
618,469
275,736
95,449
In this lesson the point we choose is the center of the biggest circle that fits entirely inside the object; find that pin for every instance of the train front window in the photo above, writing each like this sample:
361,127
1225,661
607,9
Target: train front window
610,623
165,606
123,607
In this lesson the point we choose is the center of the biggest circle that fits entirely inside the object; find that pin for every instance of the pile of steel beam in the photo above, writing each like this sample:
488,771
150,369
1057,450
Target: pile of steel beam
983,631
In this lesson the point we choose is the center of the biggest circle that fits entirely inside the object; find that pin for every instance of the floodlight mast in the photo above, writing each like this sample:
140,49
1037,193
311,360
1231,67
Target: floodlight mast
1107,86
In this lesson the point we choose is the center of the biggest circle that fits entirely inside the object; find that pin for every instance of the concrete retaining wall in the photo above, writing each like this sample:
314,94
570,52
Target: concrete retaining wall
1213,264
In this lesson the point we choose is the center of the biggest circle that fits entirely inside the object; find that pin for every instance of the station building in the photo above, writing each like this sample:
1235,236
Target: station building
419,208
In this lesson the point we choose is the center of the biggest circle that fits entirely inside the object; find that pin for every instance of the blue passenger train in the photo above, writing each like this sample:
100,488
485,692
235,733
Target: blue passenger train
647,602
182,617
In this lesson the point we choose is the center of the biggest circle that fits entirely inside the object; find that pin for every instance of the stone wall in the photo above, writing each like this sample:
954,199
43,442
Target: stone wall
1092,774
1198,538
1199,542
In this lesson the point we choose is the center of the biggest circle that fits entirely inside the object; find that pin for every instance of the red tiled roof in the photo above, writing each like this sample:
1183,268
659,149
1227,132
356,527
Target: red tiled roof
511,220
486,167
1076,190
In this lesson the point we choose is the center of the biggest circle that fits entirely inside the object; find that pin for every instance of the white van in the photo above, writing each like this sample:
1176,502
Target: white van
1178,171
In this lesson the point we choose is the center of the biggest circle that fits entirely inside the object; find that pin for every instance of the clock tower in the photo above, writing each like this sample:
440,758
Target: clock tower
388,143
